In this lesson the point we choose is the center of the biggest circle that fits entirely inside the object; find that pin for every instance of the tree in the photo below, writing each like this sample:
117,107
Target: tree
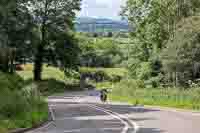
181,57
51,17
110,34
15,27
154,23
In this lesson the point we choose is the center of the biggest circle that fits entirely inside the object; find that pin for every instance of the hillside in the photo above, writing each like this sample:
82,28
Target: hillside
89,24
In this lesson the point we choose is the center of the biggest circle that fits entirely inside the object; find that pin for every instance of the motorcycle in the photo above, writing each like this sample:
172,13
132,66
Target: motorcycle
103,95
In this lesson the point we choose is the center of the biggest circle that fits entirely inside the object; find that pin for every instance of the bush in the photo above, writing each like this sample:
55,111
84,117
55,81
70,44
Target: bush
13,104
104,74
10,82
153,82
144,71
20,107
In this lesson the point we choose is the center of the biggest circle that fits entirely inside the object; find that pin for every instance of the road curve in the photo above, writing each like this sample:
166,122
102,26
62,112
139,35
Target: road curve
82,112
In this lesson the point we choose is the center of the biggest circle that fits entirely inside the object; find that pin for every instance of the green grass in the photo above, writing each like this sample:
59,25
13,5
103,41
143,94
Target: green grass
53,80
22,103
48,72
134,92
20,106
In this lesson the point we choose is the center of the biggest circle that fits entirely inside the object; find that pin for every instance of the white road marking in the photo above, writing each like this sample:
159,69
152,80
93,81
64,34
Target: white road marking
40,128
119,117
52,114
175,110
89,129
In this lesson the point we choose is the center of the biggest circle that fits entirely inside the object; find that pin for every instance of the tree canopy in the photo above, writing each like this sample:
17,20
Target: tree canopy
38,28
157,24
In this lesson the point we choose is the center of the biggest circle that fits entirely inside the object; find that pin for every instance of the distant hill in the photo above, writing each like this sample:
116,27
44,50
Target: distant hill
89,24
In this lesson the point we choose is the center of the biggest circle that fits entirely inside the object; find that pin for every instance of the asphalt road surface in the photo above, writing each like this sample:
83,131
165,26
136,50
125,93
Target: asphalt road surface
82,112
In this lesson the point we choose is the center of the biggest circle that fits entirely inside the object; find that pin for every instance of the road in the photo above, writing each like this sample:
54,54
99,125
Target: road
82,112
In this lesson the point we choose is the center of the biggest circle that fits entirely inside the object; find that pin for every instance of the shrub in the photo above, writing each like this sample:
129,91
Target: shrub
19,107
13,104
104,74
153,82
144,71
10,82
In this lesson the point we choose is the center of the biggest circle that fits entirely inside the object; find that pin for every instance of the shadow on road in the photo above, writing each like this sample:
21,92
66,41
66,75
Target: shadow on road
150,130
74,117
126,109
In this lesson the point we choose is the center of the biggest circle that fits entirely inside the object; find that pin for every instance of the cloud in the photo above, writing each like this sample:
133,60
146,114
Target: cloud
101,8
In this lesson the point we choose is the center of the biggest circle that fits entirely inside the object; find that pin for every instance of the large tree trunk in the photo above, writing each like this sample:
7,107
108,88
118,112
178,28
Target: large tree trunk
39,55
40,49
38,63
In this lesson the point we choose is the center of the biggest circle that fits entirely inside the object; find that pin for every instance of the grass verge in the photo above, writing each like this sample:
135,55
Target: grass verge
134,92
22,104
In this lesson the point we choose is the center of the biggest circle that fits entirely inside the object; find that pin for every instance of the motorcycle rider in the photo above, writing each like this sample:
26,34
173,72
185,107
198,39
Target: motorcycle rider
103,95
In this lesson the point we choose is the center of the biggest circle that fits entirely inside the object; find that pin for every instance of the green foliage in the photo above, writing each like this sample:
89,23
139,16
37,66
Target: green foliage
65,51
100,52
54,79
134,92
20,106
10,82
144,71
182,54
52,86
104,74
155,24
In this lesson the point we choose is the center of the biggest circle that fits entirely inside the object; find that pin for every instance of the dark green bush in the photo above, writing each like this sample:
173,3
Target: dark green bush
20,106
103,74
13,104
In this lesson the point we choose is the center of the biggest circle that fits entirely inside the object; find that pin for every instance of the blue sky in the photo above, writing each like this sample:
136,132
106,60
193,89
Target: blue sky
101,8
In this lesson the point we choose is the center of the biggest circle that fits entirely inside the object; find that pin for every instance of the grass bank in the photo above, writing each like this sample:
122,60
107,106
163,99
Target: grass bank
21,105
134,93
53,80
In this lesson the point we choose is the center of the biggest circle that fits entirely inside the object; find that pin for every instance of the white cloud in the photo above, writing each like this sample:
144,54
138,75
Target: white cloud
101,8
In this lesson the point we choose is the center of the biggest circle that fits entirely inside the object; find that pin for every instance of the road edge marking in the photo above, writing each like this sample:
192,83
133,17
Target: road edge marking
52,114
134,124
119,117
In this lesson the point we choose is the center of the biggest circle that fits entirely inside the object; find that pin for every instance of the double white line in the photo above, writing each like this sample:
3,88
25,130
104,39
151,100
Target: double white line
128,124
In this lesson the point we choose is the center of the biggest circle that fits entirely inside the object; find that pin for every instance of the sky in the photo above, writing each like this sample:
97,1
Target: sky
101,8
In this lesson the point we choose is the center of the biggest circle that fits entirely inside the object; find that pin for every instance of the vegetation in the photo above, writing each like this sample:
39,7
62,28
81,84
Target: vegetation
135,92
99,52
163,61
21,105
162,38
53,80
38,32
156,64
104,74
